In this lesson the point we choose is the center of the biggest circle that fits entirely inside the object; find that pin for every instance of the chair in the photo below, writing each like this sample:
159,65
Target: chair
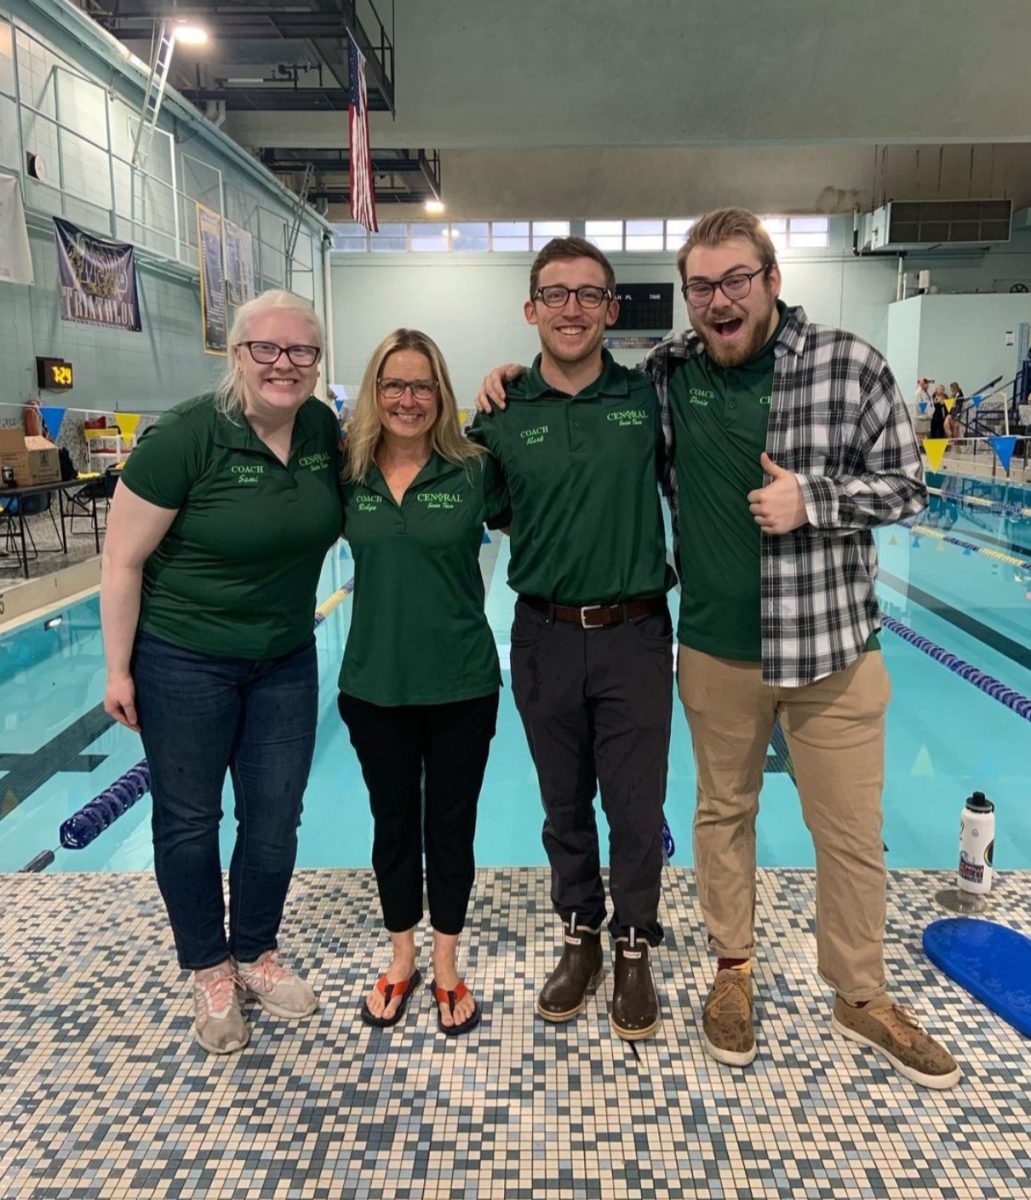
30,506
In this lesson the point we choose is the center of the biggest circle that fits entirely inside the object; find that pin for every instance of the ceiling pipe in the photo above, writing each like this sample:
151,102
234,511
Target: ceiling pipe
215,111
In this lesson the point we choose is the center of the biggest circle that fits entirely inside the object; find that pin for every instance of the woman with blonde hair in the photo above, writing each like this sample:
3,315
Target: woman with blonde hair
214,545
420,677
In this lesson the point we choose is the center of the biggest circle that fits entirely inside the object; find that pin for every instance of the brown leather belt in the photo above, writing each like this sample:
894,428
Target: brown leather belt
596,616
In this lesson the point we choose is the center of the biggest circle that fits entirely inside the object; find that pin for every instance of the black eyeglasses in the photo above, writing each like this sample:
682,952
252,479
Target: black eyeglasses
268,353
556,294
700,292
421,389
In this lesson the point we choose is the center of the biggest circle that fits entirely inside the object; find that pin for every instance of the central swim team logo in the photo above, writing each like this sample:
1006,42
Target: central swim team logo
628,417
534,436
445,501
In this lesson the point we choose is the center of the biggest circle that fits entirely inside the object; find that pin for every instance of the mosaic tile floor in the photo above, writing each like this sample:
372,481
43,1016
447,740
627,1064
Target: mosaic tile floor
104,1094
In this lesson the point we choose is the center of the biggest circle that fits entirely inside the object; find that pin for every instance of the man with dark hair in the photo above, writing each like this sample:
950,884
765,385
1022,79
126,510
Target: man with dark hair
791,443
592,639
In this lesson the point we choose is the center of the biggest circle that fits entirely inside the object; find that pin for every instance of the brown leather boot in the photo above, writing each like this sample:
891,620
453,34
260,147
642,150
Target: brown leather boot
635,1006
578,972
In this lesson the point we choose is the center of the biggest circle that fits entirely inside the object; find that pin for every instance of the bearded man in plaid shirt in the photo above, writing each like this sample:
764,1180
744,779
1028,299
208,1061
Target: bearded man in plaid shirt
789,442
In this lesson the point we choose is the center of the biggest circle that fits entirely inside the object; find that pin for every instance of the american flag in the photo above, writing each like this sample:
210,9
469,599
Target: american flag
362,187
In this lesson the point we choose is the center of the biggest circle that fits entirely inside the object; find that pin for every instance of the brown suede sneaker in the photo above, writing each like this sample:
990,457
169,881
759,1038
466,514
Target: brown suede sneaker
895,1032
727,1019
578,971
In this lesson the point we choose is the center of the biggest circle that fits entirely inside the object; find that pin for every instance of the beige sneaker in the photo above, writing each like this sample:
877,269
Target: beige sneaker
727,1019
218,1022
895,1032
276,988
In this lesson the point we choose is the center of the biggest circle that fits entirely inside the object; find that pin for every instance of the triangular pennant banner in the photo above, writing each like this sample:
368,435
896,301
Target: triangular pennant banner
922,765
1003,447
950,403
977,400
53,418
921,407
935,448
127,423
339,406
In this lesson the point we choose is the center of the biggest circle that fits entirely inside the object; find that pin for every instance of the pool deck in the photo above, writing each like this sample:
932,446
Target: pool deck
106,1095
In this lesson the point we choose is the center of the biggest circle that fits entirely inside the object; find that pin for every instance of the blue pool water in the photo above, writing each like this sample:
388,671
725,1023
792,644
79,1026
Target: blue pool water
961,578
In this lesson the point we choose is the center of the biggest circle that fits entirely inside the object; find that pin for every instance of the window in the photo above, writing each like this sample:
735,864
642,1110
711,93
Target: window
677,231
471,235
808,232
644,235
544,231
350,237
429,235
510,235
390,237
606,235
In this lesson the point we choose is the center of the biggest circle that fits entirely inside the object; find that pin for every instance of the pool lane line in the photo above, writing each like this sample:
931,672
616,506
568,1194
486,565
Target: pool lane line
930,531
1015,701
117,798
1006,646
983,538
980,501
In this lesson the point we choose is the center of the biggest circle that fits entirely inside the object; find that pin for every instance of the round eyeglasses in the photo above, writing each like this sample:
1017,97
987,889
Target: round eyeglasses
268,353
699,292
421,389
556,294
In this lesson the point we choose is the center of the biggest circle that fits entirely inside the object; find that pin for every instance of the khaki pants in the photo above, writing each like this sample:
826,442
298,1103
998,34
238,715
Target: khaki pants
835,732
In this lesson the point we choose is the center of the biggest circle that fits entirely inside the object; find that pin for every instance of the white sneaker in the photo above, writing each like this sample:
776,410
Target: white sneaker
218,1020
276,988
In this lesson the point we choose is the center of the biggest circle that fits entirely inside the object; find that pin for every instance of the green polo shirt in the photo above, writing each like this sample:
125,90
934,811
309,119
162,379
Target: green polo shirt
418,631
582,472
720,419
236,573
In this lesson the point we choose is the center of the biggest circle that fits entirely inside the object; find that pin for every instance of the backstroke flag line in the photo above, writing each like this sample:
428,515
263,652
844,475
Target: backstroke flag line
362,188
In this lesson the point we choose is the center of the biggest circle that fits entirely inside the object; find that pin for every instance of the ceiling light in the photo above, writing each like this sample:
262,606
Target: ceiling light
434,206
189,35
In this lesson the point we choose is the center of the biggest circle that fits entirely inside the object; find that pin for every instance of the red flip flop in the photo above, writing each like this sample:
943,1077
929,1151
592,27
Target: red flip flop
451,998
388,991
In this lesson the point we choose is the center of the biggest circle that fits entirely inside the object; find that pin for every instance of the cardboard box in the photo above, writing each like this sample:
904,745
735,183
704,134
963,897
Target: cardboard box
34,459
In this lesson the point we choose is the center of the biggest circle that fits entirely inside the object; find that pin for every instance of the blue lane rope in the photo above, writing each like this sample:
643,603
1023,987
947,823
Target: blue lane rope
1013,700
94,817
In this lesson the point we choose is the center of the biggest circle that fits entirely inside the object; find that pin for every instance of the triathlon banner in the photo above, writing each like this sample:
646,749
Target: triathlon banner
212,280
96,279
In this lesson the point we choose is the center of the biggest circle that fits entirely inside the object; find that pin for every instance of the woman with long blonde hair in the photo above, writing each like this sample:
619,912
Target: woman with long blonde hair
420,677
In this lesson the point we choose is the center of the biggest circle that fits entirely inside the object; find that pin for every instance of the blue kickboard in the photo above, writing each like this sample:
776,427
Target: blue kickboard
993,963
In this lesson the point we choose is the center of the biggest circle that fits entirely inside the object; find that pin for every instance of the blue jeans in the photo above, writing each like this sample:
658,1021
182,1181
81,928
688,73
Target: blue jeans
200,715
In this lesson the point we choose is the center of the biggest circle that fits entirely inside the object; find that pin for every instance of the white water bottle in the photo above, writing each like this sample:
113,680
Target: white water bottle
976,845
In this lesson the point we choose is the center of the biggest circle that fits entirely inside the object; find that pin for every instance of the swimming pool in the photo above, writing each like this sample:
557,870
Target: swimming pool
960,578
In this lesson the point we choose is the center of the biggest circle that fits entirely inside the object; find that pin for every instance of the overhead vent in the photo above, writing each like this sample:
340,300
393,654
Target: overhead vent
912,224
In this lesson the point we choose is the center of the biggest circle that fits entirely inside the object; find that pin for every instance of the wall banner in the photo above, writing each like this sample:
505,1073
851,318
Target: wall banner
212,280
96,279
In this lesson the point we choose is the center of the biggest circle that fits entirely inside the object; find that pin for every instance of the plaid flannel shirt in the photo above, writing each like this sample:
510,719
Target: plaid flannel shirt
839,422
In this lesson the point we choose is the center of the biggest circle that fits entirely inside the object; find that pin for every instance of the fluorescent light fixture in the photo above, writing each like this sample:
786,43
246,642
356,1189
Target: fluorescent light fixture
188,34
434,206
53,622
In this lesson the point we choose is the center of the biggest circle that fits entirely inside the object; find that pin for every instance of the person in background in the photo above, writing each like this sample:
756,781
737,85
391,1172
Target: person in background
922,395
214,546
420,676
592,658
939,412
